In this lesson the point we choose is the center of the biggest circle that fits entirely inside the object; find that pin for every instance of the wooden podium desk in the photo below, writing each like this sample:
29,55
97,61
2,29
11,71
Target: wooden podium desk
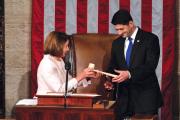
37,112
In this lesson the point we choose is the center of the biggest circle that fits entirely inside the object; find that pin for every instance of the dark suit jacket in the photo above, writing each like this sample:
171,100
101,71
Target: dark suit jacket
141,93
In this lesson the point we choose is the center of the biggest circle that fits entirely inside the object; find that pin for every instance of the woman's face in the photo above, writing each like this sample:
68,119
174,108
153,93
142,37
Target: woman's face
65,48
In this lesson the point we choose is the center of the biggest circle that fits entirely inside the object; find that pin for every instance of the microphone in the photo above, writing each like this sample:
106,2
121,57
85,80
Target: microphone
67,63
67,67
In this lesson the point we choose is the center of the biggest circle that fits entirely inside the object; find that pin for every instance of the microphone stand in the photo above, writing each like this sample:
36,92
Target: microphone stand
67,67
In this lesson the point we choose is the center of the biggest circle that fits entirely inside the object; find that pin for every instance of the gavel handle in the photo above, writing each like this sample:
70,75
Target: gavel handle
105,73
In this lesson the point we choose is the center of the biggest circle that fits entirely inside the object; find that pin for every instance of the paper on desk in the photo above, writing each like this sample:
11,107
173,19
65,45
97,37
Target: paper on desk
27,102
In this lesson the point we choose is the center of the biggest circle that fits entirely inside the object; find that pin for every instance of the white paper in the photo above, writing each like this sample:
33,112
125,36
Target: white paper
27,102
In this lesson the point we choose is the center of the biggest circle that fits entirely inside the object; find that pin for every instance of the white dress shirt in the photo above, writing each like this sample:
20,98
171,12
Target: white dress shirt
127,41
133,36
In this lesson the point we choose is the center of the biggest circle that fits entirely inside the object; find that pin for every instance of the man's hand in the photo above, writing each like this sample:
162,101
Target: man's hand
122,76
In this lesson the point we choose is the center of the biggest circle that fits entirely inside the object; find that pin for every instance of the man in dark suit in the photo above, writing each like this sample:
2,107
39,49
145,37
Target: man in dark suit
134,58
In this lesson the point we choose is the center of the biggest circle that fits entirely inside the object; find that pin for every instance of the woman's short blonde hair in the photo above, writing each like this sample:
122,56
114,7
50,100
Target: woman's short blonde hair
54,43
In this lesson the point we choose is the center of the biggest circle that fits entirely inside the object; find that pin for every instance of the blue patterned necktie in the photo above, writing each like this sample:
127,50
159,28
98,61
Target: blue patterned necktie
128,52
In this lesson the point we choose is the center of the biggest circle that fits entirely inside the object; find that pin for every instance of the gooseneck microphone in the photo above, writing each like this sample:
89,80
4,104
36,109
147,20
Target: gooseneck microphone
67,67
67,63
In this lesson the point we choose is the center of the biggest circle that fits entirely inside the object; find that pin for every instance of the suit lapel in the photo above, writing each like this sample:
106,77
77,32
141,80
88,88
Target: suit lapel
121,48
135,46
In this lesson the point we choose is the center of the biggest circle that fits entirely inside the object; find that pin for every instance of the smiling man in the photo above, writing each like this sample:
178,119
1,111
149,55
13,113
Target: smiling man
134,58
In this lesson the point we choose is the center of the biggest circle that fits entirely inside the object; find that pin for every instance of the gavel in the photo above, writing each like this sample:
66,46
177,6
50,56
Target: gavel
92,66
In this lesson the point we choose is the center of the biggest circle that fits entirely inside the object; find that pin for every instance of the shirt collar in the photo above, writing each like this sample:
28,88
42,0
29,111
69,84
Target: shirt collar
134,33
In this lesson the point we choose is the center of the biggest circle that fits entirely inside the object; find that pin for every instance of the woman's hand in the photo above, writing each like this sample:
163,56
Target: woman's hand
87,72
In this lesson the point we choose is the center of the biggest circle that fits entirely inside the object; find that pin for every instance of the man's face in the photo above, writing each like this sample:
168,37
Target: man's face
124,30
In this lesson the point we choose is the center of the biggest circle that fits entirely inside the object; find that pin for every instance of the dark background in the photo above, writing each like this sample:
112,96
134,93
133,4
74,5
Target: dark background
2,63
